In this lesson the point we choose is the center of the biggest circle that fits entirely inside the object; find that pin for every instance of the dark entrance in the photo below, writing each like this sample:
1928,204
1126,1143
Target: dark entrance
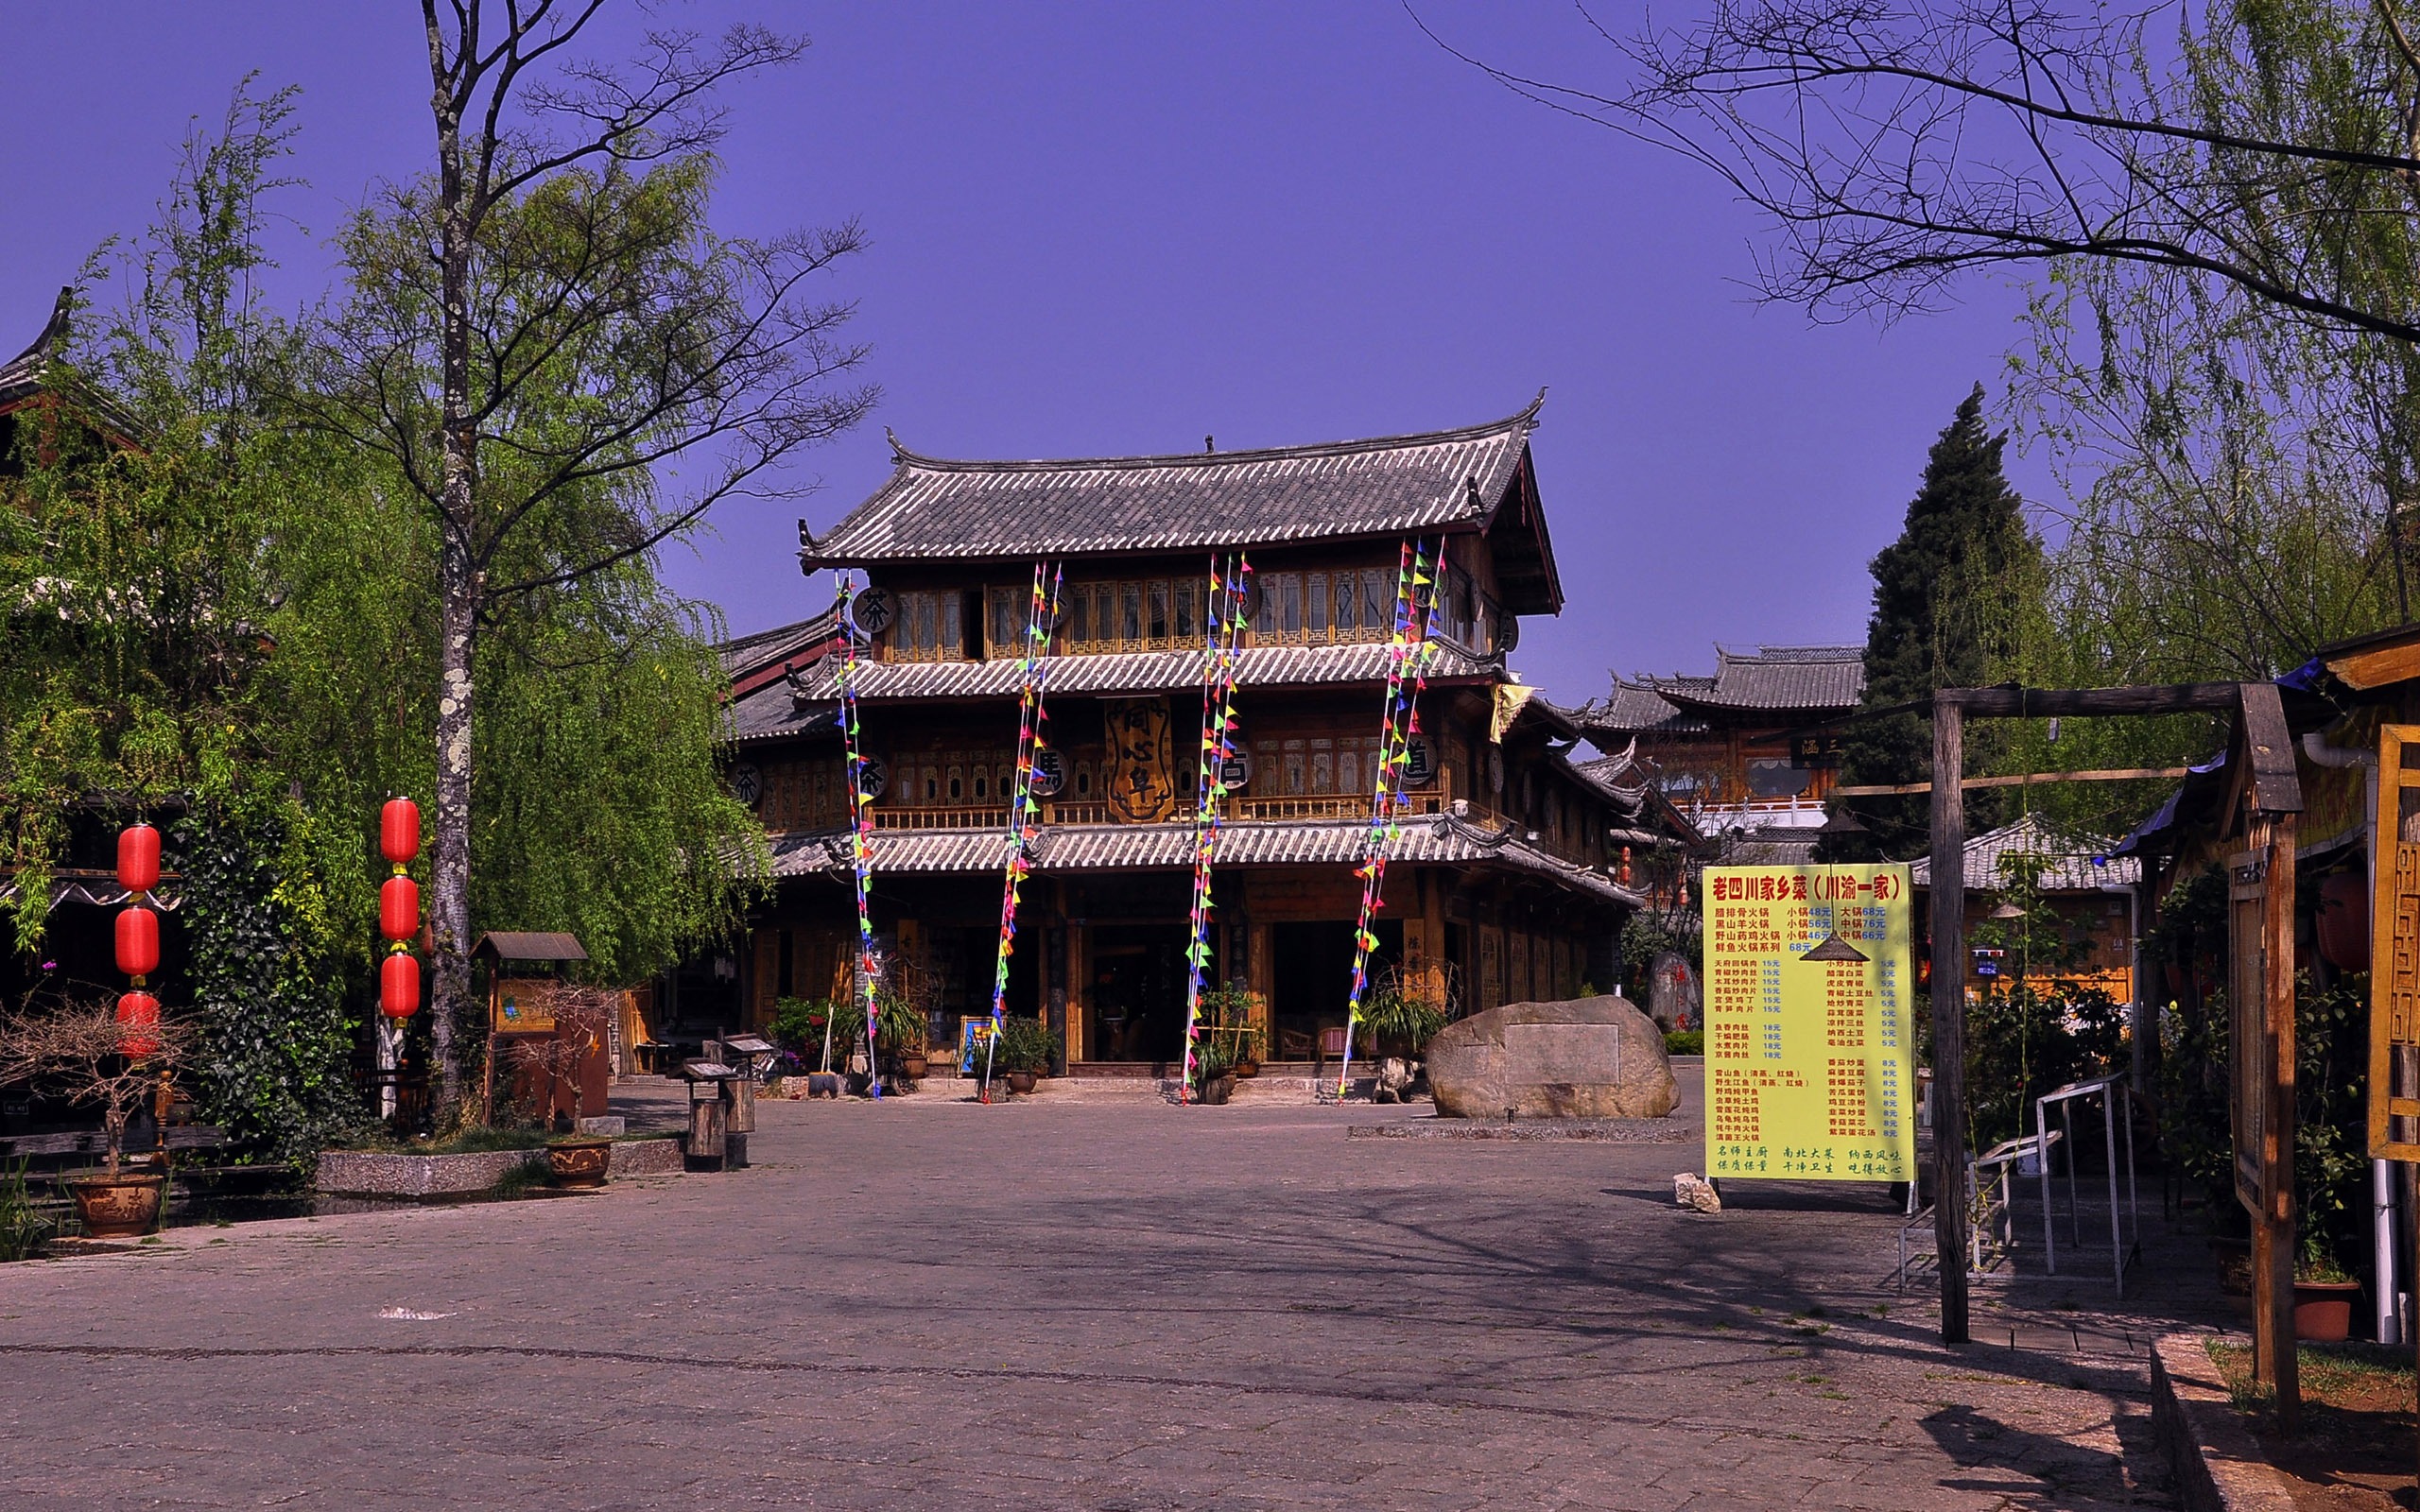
1138,992
1310,978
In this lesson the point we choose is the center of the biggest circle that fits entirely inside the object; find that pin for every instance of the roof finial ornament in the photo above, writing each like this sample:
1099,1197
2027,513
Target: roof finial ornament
1209,443
899,452
801,699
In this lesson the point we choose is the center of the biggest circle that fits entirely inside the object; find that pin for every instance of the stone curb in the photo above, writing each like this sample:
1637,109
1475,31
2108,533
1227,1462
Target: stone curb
2218,1465
655,1157
1608,1130
377,1173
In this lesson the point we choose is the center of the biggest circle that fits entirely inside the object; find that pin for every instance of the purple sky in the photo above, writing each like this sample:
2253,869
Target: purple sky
1107,229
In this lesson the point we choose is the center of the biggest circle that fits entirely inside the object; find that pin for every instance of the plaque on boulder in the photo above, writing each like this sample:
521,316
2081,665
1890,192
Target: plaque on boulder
1591,1057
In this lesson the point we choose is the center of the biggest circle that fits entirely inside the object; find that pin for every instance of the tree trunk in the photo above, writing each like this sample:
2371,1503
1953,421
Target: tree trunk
459,584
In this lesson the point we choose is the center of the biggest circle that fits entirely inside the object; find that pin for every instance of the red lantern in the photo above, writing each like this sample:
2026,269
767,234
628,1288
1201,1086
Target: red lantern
137,1012
138,858
399,984
138,942
399,830
399,908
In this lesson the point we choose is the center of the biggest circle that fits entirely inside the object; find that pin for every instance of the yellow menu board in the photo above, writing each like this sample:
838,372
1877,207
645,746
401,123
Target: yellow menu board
1810,1063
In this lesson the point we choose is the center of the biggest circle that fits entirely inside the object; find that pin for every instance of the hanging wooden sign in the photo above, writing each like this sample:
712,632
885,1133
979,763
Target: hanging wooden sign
2394,950
1141,787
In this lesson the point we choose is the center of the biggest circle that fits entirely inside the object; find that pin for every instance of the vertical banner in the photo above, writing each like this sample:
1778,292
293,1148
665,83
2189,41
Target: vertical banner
1811,1038
1141,781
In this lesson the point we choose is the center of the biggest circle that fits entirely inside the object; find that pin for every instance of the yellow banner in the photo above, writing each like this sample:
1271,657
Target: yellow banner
1810,1063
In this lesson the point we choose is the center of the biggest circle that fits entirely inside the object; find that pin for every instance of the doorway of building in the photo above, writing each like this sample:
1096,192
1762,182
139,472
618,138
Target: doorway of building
1137,999
1310,978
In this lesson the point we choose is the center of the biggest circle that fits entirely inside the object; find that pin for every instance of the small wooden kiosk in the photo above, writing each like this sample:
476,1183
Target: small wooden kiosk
525,972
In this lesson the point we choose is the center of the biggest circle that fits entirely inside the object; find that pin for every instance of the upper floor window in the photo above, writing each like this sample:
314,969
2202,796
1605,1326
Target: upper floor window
929,627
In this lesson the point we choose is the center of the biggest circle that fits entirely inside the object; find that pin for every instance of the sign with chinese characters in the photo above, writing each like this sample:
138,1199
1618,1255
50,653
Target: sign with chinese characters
1809,1038
1141,769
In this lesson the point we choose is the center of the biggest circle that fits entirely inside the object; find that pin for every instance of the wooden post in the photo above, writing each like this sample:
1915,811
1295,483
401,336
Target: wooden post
1949,1012
2277,1140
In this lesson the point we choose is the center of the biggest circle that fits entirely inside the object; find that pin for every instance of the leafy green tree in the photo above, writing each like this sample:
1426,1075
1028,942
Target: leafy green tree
1951,599
562,364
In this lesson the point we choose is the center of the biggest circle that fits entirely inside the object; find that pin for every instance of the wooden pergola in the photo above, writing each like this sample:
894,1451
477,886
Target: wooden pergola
2264,797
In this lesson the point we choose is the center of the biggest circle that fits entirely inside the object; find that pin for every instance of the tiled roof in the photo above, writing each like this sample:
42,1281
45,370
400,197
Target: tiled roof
2067,860
1633,709
1788,677
29,371
1133,847
1784,676
1386,486
773,710
744,654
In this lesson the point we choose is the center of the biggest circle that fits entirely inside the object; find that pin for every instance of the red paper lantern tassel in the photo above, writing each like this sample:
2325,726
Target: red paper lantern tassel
138,1015
138,942
138,858
399,830
399,984
399,908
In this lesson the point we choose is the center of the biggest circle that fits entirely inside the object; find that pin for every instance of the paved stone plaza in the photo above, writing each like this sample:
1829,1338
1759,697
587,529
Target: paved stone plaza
1088,1304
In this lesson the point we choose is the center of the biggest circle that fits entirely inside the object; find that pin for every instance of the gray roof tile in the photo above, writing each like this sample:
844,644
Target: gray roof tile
1133,847
1390,486
2066,860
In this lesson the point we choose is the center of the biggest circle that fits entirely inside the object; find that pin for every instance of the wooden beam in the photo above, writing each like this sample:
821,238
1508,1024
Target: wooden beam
1949,1231
2276,786
2042,703
1968,784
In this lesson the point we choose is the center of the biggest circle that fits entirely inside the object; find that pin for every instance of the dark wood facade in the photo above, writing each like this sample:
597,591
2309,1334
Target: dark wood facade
1501,888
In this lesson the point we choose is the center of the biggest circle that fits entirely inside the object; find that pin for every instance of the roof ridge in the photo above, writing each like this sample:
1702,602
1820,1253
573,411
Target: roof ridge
905,457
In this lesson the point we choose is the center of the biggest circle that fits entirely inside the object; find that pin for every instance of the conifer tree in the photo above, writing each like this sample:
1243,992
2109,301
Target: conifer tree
1947,602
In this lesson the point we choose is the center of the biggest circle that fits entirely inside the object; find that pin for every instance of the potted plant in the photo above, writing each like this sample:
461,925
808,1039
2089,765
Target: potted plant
115,1066
1225,1017
1213,1069
554,1067
818,1032
1399,1018
899,1034
2324,1298
1025,1052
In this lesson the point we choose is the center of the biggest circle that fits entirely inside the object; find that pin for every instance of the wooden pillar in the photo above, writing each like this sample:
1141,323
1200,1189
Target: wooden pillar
1949,1011
2274,1246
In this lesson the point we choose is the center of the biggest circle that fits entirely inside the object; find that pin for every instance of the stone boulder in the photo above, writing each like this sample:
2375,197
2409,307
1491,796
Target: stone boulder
1593,1057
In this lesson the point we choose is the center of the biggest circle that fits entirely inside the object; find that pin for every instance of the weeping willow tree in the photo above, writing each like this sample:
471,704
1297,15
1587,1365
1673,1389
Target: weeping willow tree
234,618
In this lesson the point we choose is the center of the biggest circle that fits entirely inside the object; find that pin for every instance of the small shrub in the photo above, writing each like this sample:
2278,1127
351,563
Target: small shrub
24,1228
1685,1042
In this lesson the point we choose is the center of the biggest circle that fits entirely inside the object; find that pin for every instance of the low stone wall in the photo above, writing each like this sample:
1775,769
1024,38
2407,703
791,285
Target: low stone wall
375,1174
643,1157
2218,1465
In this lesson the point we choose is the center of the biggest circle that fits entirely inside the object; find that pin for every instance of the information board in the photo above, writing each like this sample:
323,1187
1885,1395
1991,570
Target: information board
1810,1063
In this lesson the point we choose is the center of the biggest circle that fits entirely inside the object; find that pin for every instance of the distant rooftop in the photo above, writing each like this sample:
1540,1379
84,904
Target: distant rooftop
1470,479
2065,862
1783,679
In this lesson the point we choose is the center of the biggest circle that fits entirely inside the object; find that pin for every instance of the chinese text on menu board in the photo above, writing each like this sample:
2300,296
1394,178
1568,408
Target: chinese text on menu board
1811,1065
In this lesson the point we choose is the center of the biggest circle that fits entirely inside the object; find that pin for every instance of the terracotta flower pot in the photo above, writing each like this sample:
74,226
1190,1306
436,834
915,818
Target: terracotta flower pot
1246,1069
2323,1310
1020,1083
915,1066
119,1206
579,1162
1216,1090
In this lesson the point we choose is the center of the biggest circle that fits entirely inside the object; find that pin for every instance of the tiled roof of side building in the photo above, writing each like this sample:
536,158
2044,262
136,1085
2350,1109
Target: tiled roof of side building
1785,677
778,709
1386,486
1134,847
2066,863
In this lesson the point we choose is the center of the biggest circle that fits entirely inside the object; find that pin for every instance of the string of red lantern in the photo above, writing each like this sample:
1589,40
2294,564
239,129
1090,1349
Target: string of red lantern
138,939
399,909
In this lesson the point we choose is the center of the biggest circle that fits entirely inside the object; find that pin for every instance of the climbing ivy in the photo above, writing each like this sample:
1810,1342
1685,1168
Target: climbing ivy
274,1037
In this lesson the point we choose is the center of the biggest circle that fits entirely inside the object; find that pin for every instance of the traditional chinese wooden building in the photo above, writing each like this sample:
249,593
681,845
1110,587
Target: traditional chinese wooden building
1503,885
2091,891
1720,749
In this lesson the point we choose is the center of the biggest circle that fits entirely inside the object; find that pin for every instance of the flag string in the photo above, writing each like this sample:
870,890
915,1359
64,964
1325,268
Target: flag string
1032,674
860,826
1225,618
1409,649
